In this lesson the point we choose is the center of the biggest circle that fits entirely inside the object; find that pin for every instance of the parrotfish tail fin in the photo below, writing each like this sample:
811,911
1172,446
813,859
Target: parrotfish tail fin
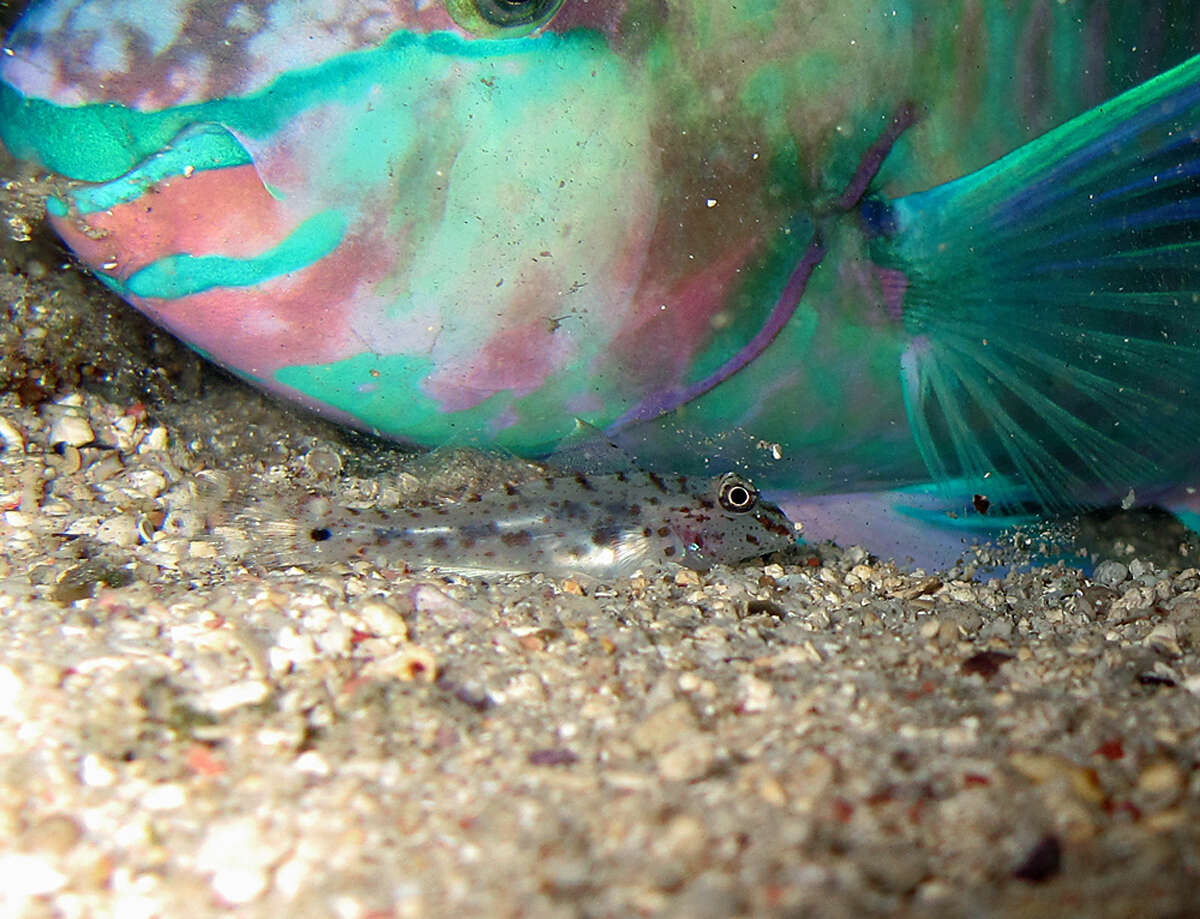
1052,301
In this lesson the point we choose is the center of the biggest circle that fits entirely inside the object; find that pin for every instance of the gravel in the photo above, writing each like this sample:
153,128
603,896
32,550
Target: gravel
193,721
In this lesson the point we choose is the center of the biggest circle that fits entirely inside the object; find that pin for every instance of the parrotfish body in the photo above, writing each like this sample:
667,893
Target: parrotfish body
605,526
853,248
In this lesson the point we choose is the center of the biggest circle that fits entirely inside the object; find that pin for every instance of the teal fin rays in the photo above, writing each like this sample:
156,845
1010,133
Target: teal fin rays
1053,304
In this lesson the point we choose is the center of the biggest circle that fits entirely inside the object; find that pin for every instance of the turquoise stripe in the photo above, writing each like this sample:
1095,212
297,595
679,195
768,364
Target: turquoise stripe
102,141
206,146
181,275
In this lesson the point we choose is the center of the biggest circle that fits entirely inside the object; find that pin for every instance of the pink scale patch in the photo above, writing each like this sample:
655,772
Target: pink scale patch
302,317
214,212
674,319
298,318
518,359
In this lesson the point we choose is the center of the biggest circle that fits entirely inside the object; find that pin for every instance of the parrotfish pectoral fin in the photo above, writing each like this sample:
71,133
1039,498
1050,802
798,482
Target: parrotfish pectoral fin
913,526
1052,301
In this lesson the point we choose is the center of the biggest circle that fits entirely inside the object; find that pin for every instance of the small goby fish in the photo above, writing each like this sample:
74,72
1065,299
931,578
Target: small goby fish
605,526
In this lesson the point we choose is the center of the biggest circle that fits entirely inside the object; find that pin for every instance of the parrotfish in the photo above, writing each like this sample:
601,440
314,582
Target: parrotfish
899,262
603,526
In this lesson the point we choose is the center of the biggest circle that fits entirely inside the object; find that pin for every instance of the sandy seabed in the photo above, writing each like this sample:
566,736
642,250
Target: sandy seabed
194,721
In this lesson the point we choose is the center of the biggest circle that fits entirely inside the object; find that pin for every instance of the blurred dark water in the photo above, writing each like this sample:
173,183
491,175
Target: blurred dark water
9,11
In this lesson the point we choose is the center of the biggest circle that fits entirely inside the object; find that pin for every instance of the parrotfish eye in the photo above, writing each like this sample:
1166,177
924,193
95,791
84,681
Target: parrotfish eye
502,18
735,494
